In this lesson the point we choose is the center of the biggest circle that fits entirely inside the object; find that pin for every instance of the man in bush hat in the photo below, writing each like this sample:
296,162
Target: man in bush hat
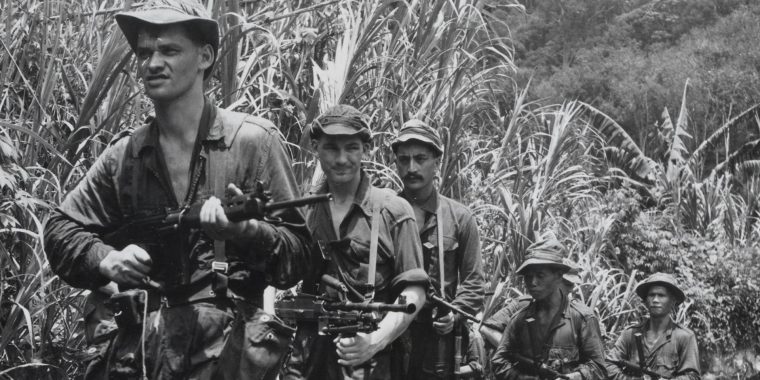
451,252
365,227
494,326
194,282
553,334
669,349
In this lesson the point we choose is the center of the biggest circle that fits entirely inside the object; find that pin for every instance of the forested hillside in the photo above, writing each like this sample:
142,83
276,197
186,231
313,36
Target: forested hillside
632,60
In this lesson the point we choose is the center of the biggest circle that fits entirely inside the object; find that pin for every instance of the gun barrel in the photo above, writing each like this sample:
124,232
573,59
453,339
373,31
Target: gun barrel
297,202
370,307
637,369
456,309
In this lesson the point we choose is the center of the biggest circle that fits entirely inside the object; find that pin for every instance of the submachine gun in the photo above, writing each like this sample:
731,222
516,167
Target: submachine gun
443,356
640,368
340,317
153,226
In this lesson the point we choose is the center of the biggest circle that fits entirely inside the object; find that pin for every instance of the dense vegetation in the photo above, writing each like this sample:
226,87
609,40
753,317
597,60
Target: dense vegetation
627,129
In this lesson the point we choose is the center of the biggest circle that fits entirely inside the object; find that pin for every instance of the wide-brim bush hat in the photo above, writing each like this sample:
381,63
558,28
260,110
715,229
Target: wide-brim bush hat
418,130
573,275
341,119
167,12
547,253
663,279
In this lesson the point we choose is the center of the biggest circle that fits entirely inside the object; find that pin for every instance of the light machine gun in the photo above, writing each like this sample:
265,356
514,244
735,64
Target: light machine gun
340,317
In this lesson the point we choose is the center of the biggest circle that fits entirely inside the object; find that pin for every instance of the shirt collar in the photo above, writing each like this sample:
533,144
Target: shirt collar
219,132
429,205
644,325
361,197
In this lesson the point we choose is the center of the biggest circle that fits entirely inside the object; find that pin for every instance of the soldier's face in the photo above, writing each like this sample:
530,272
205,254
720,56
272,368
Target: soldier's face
171,65
659,301
541,282
417,165
340,157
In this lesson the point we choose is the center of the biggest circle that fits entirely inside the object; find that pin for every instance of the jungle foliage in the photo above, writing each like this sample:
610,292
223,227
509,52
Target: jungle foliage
632,138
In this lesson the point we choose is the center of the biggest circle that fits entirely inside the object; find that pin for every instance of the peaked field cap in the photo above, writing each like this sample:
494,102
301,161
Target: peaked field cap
168,12
341,119
660,279
547,259
418,130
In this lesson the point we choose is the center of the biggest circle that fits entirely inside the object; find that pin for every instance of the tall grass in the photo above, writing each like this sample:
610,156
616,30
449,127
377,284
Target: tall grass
526,169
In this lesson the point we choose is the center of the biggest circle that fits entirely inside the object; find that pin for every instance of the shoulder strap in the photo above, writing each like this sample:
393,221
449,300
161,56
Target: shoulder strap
374,236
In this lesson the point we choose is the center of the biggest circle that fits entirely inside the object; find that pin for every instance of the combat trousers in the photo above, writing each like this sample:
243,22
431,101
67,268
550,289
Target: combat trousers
314,357
432,355
200,340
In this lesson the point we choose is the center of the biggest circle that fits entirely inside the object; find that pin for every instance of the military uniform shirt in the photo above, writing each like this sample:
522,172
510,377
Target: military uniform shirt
675,354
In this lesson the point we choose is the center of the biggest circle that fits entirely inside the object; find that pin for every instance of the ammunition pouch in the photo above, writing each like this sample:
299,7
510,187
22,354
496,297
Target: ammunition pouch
257,345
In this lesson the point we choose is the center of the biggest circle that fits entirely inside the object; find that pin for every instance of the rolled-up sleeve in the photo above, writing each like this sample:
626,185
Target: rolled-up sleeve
72,242
470,292
283,236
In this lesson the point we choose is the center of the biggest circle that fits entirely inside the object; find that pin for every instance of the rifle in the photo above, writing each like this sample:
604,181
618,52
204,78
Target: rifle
541,370
448,305
536,364
341,317
636,369
641,368
442,307
154,226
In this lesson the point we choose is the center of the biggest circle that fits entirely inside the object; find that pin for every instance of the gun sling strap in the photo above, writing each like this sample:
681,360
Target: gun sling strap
373,237
439,227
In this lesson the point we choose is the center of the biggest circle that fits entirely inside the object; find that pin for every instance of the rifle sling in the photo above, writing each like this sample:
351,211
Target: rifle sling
197,164
374,236
439,227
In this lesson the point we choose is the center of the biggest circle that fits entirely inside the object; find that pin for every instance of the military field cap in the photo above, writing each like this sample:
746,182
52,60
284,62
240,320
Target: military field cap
167,12
573,275
545,253
662,279
341,119
418,130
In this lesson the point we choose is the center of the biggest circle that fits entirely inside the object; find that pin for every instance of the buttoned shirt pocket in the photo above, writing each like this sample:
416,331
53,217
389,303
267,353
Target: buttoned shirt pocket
666,360
450,246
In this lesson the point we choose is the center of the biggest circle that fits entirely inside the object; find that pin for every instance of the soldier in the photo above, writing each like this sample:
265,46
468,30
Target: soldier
553,335
363,225
493,327
669,349
201,279
451,252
